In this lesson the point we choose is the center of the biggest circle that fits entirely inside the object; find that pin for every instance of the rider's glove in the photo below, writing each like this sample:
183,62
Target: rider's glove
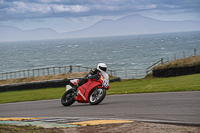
93,71
96,76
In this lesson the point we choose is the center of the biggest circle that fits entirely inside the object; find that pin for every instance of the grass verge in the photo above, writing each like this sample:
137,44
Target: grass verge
172,84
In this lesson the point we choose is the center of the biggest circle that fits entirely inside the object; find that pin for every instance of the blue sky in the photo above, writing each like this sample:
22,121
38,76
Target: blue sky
70,15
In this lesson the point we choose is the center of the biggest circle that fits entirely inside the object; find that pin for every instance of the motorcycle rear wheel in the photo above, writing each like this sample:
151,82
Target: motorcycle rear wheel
97,97
68,98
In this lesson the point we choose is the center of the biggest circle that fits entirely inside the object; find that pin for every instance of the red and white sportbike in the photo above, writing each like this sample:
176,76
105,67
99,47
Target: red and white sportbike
93,91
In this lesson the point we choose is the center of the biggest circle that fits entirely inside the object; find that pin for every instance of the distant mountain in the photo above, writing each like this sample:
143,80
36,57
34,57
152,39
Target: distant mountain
134,24
128,25
10,33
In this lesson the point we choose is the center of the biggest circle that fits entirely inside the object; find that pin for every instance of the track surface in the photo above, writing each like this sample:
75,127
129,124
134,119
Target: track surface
173,106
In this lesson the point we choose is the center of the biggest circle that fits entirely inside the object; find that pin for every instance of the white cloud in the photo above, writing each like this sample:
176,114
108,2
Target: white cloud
143,7
78,8
21,7
31,9
48,1
68,8
60,8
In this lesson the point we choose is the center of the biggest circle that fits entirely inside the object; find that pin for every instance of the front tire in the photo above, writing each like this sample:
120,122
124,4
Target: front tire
68,98
97,96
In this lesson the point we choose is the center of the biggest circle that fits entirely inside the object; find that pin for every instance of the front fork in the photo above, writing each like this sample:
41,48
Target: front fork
95,92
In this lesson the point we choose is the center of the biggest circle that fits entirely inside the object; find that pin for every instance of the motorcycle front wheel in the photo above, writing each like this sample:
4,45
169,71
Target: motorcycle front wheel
97,96
68,98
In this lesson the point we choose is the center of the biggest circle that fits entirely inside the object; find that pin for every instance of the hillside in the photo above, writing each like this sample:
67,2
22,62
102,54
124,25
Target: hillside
186,62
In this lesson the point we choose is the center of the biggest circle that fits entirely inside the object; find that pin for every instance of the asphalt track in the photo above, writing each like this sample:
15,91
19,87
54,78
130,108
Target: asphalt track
182,107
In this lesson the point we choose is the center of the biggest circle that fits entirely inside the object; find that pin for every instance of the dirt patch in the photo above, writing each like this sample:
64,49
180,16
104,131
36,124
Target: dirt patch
27,129
134,127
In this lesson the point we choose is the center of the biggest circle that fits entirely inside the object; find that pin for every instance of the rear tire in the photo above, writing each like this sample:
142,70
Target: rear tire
68,98
97,97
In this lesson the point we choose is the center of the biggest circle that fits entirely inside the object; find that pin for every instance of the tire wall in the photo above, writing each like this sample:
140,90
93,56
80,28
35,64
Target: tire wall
172,72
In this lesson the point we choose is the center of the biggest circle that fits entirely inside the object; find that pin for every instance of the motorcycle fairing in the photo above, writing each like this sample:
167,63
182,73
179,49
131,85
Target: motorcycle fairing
85,90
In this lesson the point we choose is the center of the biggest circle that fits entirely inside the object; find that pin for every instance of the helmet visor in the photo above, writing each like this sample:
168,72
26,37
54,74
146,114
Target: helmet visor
103,68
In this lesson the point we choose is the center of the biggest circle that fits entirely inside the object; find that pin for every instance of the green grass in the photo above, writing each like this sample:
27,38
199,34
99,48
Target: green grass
172,84
31,95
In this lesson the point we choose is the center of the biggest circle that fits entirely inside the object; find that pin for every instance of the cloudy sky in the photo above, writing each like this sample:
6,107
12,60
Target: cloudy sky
70,15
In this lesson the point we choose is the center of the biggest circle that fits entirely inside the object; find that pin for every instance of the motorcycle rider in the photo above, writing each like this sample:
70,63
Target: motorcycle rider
93,74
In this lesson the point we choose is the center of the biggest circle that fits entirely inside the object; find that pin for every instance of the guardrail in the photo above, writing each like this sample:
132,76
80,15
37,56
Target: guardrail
149,69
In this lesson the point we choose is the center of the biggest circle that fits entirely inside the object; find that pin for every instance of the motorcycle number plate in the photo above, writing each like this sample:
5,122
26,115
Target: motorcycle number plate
105,83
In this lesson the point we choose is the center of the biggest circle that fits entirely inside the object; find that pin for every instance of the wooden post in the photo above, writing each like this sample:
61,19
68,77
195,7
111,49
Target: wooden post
48,71
70,69
161,60
24,73
184,54
53,70
195,52
28,73
65,69
43,71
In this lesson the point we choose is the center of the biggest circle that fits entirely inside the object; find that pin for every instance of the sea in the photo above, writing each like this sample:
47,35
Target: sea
118,52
